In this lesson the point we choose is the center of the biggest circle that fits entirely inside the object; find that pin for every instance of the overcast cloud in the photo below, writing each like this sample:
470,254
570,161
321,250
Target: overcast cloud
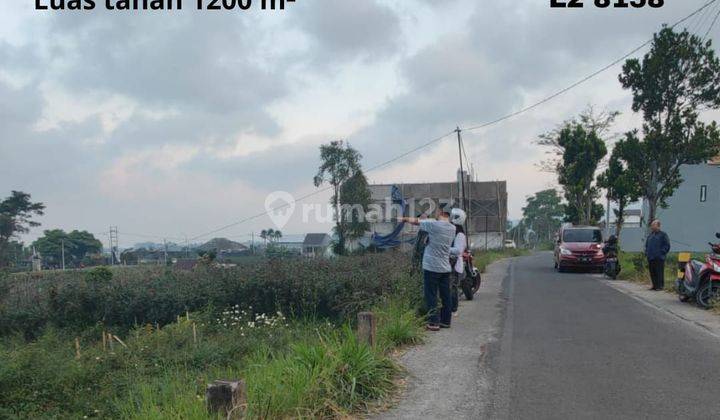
174,124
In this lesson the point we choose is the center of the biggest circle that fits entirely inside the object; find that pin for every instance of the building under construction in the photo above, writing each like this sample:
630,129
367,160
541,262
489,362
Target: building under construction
486,204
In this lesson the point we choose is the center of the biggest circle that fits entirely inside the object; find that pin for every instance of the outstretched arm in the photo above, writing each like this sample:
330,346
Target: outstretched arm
411,220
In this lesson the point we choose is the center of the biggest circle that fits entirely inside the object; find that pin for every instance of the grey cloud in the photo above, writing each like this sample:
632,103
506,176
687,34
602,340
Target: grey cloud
284,168
189,59
340,30
506,51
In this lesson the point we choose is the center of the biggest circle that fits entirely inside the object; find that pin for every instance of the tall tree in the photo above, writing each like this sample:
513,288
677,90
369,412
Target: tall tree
543,214
339,163
16,213
619,185
577,149
76,245
355,198
676,79
583,150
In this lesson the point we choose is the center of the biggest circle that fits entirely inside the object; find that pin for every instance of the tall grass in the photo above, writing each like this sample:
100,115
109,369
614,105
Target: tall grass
305,366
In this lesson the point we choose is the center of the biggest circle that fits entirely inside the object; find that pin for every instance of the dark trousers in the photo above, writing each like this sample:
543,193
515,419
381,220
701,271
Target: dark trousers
434,283
657,273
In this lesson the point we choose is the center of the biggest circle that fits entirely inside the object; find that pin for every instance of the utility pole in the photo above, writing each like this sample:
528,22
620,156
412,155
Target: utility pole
252,243
166,250
114,243
62,246
607,218
462,187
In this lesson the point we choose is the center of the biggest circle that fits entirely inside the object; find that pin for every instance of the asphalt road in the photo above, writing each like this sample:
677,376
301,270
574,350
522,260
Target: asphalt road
542,345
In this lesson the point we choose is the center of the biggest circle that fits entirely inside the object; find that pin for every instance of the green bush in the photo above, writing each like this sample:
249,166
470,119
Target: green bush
136,296
99,274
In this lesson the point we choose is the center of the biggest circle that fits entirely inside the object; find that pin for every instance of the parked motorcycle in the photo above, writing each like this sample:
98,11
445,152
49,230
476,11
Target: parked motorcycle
472,281
700,280
612,262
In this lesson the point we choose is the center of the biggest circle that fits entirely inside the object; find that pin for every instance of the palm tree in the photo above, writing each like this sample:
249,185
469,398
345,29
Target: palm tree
264,236
277,235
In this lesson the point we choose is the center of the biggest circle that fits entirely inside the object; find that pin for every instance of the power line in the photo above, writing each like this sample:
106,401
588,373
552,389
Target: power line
712,25
305,197
437,139
699,21
585,79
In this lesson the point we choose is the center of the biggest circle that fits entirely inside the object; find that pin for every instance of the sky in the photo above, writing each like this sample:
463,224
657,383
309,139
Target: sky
172,125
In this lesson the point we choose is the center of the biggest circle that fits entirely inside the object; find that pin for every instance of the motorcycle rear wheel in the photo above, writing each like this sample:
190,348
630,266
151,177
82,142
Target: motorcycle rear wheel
708,295
470,286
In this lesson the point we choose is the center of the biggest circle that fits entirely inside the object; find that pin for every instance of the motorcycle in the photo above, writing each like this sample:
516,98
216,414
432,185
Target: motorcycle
699,280
472,281
612,262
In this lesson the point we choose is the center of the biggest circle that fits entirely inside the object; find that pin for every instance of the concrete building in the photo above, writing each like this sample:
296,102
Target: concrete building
486,203
692,216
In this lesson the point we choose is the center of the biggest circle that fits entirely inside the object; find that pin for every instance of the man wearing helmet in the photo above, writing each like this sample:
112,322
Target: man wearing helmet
436,266
457,218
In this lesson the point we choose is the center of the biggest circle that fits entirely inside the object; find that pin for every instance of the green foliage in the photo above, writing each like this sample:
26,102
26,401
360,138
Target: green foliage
77,246
16,213
340,163
293,368
583,151
399,325
354,201
138,295
678,78
579,146
543,213
99,274
331,377
619,185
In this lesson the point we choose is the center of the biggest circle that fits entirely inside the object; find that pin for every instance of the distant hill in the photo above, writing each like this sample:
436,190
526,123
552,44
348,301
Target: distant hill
221,244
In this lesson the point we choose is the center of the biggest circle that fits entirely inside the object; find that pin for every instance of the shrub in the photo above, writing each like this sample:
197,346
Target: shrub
132,296
99,274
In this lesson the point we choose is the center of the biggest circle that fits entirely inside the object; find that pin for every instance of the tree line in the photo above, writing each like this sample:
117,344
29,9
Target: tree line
671,85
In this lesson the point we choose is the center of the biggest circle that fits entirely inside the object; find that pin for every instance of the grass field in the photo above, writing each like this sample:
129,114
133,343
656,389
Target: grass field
286,328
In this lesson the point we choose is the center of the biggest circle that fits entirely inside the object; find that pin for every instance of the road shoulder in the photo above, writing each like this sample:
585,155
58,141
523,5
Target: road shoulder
669,304
445,375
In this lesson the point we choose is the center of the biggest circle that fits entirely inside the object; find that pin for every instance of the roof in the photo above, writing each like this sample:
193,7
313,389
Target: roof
317,239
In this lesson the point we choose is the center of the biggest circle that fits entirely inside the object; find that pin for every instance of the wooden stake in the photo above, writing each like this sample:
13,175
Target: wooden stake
187,315
110,340
77,348
194,333
120,341
104,341
367,328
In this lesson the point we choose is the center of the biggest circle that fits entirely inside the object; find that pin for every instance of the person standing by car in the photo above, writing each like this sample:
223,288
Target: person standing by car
457,218
657,247
436,266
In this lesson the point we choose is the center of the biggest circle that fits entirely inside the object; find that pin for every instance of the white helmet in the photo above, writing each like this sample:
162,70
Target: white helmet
458,217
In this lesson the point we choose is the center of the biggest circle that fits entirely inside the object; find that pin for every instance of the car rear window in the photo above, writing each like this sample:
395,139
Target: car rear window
582,235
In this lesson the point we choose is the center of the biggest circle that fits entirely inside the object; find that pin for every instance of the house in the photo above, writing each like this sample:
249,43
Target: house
292,244
691,217
316,245
486,203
